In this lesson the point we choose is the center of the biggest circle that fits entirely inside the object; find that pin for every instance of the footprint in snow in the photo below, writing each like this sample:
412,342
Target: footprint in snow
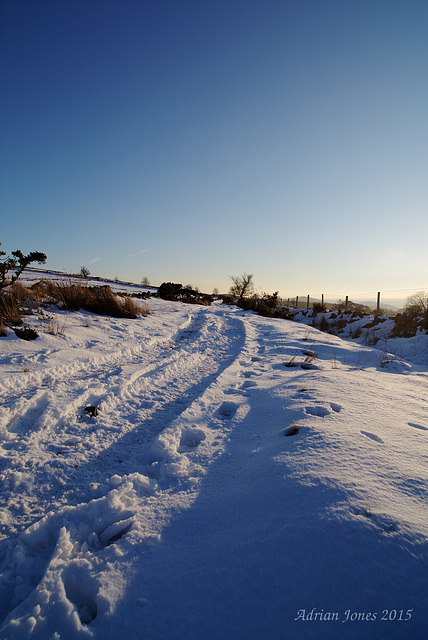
81,590
190,439
335,407
248,383
372,436
227,410
417,426
317,411
147,404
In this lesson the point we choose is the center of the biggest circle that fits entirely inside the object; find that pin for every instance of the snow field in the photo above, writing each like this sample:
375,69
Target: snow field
182,510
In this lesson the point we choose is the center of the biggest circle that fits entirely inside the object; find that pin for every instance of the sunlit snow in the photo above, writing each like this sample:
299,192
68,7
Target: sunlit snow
181,511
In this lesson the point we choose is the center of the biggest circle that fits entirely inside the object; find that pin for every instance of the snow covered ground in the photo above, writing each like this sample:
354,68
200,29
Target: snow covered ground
183,511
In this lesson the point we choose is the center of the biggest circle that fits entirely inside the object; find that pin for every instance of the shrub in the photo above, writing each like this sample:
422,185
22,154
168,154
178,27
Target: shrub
348,306
265,305
407,324
15,265
414,317
318,307
169,290
178,293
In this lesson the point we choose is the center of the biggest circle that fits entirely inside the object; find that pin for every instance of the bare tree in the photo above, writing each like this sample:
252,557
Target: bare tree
84,272
417,303
242,285
145,282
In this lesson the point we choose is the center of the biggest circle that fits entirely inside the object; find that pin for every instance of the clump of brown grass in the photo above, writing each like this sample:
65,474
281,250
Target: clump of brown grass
10,309
15,302
99,300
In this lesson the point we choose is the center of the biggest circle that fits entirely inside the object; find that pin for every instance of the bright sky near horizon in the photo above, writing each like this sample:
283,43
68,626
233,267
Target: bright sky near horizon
193,140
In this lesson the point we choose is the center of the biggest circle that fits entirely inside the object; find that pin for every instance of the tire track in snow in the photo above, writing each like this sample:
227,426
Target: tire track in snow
177,374
58,450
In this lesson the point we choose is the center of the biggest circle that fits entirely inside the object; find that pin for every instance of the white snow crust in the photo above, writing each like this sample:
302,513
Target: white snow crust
183,511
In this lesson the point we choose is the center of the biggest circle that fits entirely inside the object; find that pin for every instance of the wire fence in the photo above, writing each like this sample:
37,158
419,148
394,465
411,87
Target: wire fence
388,302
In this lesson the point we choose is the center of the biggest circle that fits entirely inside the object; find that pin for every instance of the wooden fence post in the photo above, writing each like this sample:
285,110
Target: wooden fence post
378,303
308,302
322,299
346,303
297,302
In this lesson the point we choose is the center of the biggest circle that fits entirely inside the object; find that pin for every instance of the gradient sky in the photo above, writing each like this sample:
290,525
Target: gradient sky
194,140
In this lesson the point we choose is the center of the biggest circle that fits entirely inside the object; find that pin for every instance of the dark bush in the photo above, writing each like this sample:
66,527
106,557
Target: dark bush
265,305
12,266
26,333
178,293
407,324
169,290
318,307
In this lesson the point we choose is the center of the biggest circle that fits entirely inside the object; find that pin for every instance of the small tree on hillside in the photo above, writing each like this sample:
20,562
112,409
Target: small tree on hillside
84,272
16,263
242,286
417,303
145,282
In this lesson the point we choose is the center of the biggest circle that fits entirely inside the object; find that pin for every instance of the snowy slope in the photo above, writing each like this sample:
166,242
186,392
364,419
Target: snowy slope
181,510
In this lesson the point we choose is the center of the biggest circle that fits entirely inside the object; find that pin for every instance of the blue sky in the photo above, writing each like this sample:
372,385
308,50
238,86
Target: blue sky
194,140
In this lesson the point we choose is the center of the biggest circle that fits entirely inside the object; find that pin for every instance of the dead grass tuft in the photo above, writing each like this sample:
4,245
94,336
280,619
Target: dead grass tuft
99,300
